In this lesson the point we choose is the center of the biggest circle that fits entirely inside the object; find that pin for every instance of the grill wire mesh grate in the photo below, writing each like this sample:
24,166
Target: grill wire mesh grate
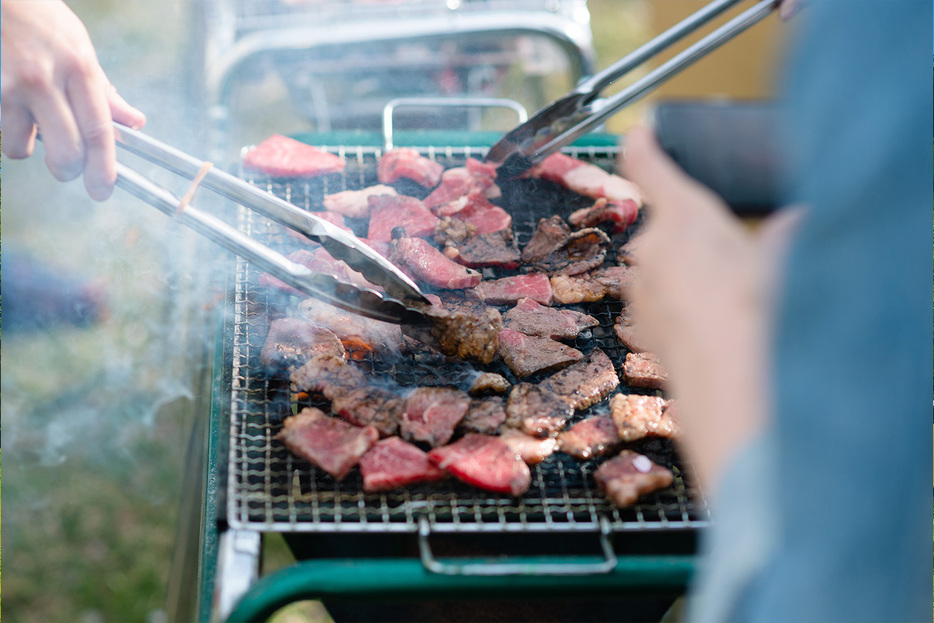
269,489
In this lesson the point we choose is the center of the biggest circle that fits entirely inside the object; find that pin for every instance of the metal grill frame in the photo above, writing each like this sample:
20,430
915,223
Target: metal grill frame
270,490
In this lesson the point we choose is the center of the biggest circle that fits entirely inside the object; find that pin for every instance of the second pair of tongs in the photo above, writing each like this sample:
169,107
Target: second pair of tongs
580,111
342,245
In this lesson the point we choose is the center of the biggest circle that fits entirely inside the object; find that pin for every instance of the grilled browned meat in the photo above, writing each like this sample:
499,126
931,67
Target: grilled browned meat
489,383
329,443
463,245
628,476
459,332
527,355
484,416
431,414
392,463
627,332
532,450
293,341
585,382
619,214
375,406
639,416
594,436
532,318
360,336
644,370
328,376
537,411
485,462
556,250
592,286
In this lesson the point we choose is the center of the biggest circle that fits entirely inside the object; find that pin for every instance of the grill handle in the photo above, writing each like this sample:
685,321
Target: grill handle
446,102
518,566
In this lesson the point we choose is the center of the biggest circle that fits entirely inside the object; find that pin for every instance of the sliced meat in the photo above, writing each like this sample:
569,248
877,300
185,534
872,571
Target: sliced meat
464,333
583,250
549,234
533,318
627,332
328,443
586,382
489,383
428,265
328,376
293,341
355,203
432,413
630,475
404,162
510,290
593,286
393,463
362,337
475,210
537,411
495,250
586,179
589,438
644,370
318,260
281,156
484,416
619,214
368,405
532,450
639,416
387,212
458,182
526,355
485,462
628,252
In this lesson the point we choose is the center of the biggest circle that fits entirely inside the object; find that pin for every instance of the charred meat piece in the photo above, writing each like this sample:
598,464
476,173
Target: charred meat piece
475,210
281,156
644,370
627,477
589,438
537,411
461,181
361,337
627,332
593,286
497,249
484,416
489,383
460,332
532,450
293,341
639,416
532,318
432,413
629,252
328,376
526,355
556,250
510,290
428,265
388,212
375,406
619,214
355,203
328,443
486,462
393,463
403,162
586,382
585,179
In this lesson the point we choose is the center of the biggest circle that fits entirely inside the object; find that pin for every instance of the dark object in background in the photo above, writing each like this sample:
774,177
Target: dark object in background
730,147
38,296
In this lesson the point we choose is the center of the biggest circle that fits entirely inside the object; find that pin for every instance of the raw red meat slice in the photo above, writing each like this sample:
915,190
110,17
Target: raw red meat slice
486,462
475,209
460,181
586,179
387,212
627,477
432,413
621,214
355,203
428,265
392,463
533,318
331,444
403,162
510,290
526,355
594,436
281,156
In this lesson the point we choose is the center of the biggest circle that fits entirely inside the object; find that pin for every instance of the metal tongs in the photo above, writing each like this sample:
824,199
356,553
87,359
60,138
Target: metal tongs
565,120
340,244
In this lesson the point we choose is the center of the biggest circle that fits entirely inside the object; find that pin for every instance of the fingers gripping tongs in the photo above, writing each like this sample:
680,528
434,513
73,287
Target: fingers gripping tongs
565,120
340,244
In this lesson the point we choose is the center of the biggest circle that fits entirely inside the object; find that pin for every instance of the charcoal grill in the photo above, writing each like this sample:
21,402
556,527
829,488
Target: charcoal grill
261,488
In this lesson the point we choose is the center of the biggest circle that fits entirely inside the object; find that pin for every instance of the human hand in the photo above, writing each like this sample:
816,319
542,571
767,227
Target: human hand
702,300
52,83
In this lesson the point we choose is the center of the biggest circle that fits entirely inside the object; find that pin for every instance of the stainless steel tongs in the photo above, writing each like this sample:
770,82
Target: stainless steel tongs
567,119
340,244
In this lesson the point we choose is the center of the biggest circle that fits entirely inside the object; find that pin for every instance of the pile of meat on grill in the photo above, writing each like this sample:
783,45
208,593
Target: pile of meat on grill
528,394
